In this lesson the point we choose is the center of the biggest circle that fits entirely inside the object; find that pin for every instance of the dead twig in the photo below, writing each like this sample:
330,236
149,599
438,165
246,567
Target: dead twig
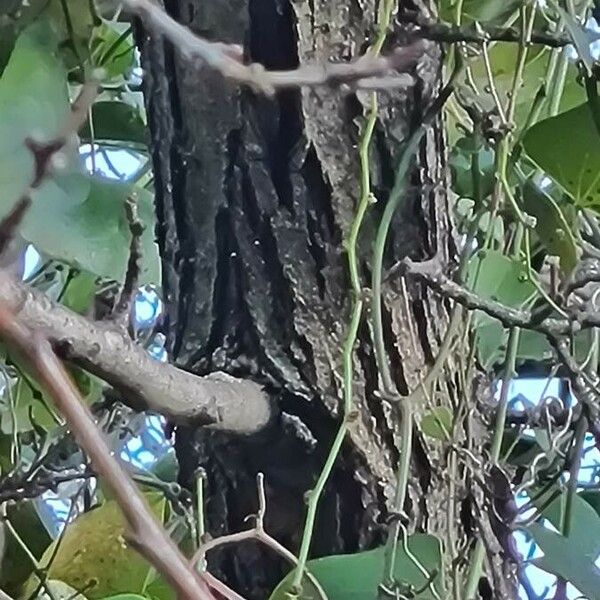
257,533
367,72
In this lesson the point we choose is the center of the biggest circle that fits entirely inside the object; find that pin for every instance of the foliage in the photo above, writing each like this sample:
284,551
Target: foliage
356,576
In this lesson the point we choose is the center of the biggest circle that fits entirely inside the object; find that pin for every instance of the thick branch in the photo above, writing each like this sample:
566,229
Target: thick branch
217,400
367,72
148,537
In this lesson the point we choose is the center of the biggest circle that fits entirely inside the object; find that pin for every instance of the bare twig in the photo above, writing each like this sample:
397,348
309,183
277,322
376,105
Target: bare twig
432,274
218,400
257,533
450,34
122,308
19,489
147,535
367,72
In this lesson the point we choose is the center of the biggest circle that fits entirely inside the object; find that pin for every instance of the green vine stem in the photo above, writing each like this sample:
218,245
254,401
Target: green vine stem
476,562
406,407
366,198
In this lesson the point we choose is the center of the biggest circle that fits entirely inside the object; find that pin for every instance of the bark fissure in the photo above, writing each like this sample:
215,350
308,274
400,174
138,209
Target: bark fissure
270,189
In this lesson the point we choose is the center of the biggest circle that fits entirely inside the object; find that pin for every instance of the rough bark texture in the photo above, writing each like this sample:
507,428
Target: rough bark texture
254,199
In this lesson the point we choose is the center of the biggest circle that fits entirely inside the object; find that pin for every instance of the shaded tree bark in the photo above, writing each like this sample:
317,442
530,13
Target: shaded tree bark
254,200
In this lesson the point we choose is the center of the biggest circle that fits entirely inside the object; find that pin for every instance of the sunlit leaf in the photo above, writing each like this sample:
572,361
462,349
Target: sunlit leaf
567,148
94,556
113,49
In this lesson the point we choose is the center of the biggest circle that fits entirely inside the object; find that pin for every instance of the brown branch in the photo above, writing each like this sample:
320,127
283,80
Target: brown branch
122,308
147,535
367,72
479,34
218,400
432,274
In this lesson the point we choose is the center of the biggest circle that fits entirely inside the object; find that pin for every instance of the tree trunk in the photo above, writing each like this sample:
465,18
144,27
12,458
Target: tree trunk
254,198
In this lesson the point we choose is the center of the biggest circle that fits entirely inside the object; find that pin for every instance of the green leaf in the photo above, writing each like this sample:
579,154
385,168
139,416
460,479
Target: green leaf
94,234
563,558
16,566
567,148
437,423
30,405
573,557
79,292
490,11
503,59
592,497
505,280
466,152
93,555
113,49
551,226
585,524
116,122
34,103
72,218
357,576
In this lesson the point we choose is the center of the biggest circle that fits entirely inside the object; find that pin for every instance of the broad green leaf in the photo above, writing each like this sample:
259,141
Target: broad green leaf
94,234
489,11
585,524
94,556
503,59
493,275
79,292
563,557
357,576
437,423
567,148
34,103
17,15
116,122
126,597
573,557
592,497
551,226
72,217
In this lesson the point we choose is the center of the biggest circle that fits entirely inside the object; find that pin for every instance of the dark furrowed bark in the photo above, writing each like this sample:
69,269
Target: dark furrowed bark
254,198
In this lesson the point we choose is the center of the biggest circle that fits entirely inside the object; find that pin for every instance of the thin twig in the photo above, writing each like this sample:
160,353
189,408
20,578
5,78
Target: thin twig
367,72
122,307
257,533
